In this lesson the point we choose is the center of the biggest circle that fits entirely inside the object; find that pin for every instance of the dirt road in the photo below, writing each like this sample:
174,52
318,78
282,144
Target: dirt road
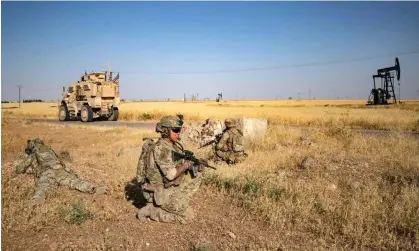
135,124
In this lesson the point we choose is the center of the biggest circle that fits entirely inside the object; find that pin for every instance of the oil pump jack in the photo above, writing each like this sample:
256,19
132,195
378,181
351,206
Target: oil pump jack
219,97
382,95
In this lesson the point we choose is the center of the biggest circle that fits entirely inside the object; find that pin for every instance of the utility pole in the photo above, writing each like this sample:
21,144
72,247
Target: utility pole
417,94
19,86
309,94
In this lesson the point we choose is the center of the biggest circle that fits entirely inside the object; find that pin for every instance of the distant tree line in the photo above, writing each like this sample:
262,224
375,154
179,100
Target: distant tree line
29,101
32,100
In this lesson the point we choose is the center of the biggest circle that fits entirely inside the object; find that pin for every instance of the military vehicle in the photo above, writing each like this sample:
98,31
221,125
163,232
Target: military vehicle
94,96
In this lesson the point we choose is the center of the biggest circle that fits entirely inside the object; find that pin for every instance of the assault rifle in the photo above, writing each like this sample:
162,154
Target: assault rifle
217,138
189,155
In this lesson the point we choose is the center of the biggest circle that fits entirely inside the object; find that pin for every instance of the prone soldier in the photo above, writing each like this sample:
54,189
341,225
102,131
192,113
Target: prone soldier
49,170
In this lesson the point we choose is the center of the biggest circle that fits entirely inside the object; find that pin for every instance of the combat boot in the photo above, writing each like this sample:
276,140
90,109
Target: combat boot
99,190
144,212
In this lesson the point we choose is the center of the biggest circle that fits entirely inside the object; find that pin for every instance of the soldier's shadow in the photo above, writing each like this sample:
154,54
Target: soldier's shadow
134,193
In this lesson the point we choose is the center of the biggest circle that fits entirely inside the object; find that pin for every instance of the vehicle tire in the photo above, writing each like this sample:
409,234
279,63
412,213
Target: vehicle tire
63,114
115,115
86,114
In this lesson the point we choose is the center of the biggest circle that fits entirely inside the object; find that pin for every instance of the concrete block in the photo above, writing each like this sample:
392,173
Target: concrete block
252,127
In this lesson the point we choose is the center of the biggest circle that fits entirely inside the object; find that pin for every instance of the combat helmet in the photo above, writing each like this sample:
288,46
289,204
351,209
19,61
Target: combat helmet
229,123
32,143
167,123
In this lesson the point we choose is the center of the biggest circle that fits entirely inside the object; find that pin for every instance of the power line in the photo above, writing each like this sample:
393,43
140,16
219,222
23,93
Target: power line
274,67
29,89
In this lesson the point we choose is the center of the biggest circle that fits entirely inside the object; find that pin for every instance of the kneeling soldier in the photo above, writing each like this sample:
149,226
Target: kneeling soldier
166,185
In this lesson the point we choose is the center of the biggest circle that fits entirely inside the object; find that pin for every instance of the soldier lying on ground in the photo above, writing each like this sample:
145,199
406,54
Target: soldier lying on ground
49,170
230,145
165,183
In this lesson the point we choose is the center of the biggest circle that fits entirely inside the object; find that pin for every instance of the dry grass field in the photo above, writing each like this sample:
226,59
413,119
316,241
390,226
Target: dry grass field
354,192
351,113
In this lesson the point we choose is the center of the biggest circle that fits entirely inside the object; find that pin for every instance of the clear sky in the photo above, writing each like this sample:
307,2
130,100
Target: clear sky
165,49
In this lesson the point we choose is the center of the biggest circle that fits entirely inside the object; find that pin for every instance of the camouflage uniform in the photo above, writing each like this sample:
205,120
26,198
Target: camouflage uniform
210,129
230,148
49,170
168,196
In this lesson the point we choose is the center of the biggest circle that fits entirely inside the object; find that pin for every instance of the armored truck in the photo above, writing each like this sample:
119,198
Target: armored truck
94,96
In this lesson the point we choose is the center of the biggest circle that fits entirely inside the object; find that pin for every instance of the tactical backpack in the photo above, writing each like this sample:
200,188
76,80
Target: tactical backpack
143,161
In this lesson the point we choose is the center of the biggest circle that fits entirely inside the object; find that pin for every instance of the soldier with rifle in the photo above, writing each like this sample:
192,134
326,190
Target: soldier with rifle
163,170
229,145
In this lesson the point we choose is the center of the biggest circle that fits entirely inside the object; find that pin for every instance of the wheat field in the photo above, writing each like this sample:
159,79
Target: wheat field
351,113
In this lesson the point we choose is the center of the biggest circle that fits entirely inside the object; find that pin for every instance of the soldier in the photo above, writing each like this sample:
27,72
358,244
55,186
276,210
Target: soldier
166,185
48,169
230,147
